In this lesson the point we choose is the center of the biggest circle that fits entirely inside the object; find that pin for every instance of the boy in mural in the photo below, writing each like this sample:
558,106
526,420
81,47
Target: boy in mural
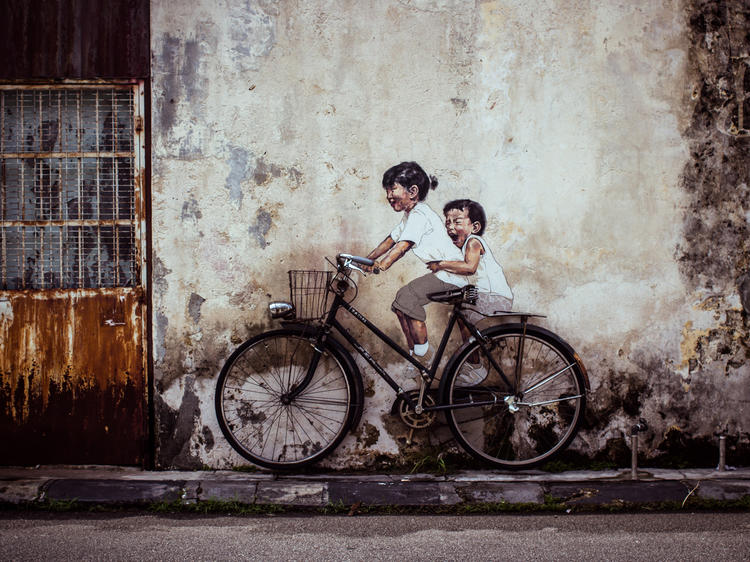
465,222
421,231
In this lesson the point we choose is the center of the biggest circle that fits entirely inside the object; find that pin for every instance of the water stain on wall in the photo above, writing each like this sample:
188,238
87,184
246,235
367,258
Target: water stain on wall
716,252
714,257
175,429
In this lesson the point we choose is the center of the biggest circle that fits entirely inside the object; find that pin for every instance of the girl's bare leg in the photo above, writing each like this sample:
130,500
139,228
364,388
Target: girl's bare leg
406,327
418,330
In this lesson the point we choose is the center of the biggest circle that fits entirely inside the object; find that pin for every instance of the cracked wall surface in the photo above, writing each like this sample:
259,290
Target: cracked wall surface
607,141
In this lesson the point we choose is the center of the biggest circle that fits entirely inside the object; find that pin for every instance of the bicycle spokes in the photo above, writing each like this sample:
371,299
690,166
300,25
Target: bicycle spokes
269,415
527,420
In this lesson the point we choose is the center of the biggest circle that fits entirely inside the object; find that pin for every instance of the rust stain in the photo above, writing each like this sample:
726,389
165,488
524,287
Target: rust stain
584,372
59,38
72,377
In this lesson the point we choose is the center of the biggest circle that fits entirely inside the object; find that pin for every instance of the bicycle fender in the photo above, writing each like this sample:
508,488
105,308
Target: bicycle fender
559,340
504,327
571,351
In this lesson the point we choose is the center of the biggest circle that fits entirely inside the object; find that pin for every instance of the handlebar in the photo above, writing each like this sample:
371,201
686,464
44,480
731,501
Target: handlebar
348,259
356,259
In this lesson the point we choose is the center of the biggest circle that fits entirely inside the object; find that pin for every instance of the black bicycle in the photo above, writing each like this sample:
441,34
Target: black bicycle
513,395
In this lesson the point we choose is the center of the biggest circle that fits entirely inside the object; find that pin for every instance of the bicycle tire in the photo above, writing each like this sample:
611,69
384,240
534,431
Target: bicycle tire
277,435
547,415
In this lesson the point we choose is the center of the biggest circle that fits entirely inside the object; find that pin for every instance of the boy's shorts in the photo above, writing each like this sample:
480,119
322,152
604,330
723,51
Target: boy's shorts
487,303
411,298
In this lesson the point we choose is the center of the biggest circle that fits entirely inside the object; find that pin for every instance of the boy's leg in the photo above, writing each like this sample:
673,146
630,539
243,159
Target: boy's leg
488,304
466,334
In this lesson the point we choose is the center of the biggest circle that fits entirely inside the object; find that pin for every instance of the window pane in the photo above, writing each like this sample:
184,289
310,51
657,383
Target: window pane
67,188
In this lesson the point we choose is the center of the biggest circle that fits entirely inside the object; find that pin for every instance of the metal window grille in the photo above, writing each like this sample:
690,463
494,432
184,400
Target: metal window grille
68,190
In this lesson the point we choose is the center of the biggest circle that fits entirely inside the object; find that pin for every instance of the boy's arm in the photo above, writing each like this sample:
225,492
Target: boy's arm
395,254
466,267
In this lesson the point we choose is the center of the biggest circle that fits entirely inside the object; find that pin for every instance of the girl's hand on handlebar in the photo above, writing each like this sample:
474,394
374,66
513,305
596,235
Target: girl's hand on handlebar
374,268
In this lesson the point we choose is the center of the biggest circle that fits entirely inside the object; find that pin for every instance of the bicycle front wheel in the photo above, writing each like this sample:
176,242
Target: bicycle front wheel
262,418
528,417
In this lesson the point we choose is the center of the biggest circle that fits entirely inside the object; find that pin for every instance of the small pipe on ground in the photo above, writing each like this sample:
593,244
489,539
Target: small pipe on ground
722,453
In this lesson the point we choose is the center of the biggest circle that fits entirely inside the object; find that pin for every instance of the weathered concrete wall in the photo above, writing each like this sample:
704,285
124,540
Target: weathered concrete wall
604,139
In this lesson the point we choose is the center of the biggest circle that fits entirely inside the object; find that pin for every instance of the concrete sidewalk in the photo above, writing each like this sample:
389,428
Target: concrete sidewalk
107,485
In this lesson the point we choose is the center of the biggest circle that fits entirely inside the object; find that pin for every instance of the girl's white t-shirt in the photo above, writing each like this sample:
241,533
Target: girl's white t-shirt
425,229
489,276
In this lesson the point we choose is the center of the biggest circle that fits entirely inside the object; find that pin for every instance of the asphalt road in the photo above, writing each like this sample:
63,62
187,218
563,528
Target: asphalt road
632,537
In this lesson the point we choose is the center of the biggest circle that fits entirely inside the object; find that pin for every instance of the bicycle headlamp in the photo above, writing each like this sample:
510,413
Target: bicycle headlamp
281,309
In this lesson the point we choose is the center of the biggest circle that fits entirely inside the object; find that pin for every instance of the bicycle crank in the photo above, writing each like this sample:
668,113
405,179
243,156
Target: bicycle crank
411,418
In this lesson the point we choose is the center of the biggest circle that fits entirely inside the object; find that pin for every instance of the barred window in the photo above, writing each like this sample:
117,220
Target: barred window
68,187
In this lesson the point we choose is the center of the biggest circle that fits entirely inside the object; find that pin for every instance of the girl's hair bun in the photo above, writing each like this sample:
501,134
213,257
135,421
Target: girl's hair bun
433,182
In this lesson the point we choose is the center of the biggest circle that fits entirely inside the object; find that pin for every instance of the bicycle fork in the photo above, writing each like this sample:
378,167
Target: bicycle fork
317,345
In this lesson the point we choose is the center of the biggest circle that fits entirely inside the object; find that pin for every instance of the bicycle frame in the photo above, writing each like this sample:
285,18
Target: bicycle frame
427,374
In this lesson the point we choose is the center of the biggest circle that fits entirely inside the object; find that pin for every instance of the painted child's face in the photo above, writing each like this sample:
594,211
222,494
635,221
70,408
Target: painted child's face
401,198
459,225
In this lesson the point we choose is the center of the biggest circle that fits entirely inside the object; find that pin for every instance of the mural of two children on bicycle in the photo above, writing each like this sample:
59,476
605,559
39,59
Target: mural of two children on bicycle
512,394
451,248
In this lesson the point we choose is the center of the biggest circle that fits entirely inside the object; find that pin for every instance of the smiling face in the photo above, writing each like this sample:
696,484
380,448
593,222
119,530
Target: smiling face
459,225
401,198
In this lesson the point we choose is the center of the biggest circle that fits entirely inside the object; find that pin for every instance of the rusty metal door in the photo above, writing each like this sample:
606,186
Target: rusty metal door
73,385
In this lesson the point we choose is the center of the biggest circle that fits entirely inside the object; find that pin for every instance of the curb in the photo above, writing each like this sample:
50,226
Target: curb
531,490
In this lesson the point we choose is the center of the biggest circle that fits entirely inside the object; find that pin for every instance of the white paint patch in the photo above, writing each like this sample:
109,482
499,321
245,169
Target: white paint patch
6,312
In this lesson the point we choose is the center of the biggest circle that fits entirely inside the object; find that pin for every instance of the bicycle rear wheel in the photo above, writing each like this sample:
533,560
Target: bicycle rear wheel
528,422
255,411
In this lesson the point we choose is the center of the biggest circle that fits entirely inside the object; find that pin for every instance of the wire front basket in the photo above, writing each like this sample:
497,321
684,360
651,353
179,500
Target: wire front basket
308,291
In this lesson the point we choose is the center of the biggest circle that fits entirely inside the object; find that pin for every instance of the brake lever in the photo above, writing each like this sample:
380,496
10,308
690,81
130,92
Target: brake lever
351,265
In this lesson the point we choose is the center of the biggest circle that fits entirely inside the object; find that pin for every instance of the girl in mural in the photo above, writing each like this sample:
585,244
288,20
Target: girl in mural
421,230
465,222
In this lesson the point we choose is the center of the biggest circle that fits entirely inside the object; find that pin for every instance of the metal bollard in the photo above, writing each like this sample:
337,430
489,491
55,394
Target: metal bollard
634,456
640,426
722,453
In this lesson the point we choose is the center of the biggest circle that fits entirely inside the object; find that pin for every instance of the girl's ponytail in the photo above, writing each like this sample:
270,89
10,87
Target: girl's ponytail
433,182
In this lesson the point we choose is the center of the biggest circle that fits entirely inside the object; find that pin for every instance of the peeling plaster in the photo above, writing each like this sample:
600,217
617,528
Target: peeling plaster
744,289
261,227
191,211
252,30
161,320
239,171
194,307
170,83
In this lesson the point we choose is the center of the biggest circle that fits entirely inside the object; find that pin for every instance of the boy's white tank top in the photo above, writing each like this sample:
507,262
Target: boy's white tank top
489,276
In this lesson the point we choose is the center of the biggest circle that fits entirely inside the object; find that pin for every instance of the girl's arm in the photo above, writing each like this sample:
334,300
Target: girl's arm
467,267
395,254
382,248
